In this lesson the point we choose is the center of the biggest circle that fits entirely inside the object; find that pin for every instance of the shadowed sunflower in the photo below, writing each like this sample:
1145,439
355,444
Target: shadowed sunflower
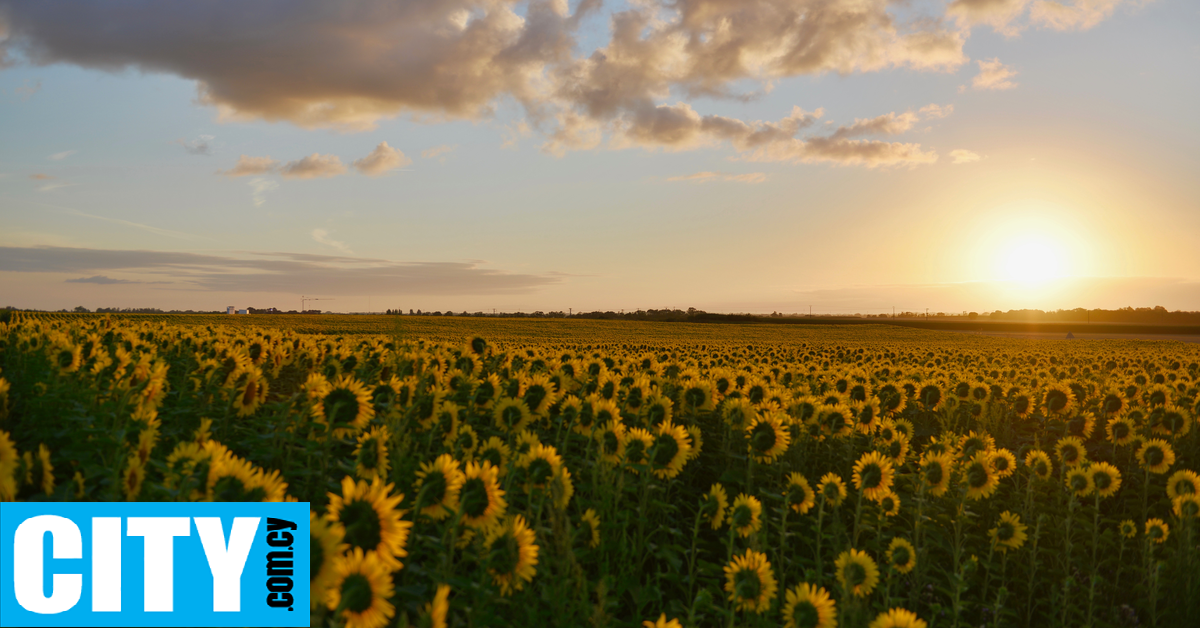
1120,431
662,622
511,415
325,546
1009,533
371,455
832,489
750,582
873,475
481,499
591,527
945,444
1022,405
698,396
1182,482
738,413
637,448
857,572
1169,420
1070,451
437,609
1079,482
344,407
1106,478
936,470
713,505
372,523
512,554
798,494
1003,462
1157,530
768,437
930,397
132,478
438,487
496,452
1039,464
744,515
1113,403
657,408
901,555
1156,456
1081,425
1058,399
360,589
1127,528
251,392
977,474
809,606
541,463
973,443
836,421
538,393
889,504
1186,506
670,451
610,439
898,618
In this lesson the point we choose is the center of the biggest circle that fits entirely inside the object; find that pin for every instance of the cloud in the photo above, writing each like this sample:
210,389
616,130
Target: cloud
993,75
962,156
198,146
136,225
933,111
887,124
28,89
260,187
277,272
1075,15
430,153
1001,15
101,279
314,166
63,155
50,187
705,177
380,161
250,166
322,236
41,177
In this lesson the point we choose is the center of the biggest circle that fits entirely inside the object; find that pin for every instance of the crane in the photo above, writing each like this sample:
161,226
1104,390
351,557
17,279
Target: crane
304,299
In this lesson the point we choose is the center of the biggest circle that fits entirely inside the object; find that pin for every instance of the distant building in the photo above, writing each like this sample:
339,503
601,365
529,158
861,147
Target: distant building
230,310
243,312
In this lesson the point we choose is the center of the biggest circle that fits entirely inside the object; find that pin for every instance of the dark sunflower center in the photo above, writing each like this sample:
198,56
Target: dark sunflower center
1078,482
855,574
1070,454
635,451
634,398
368,455
540,471
830,491
665,450
900,556
747,584
341,406
1000,463
484,393
356,593
534,395
934,473
1112,404
796,494
362,525
1154,456
474,497
231,489
971,446
434,487
694,397
1120,430
1005,531
1021,405
1156,532
742,516
1041,468
511,416
931,395
504,554
1184,487
610,443
895,448
836,422
65,358
656,413
977,476
805,615
763,437
1056,400
871,476
1103,480
493,456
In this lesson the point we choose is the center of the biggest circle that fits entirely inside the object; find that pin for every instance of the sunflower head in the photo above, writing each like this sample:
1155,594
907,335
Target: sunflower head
798,494
1079,482
1183,482
368,513
1009,532
1106,478
873,475
1157,530
1039,464
857,572
1128,529
481,499
767,436
713,505
512,554
360,589
979,477
832,489
901,555
809,606
1156,456
898,618
936,470
1071,451
745,515
750,582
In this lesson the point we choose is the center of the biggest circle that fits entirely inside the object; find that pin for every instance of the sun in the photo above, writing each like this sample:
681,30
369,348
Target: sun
1031,258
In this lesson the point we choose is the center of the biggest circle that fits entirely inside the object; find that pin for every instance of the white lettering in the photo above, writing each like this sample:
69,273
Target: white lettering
28,570
160,533
106,564
226,564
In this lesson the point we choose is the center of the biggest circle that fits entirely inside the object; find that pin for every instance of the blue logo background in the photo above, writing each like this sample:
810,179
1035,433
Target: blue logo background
193,587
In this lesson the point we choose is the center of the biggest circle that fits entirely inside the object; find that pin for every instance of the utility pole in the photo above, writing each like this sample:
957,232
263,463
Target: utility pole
926,313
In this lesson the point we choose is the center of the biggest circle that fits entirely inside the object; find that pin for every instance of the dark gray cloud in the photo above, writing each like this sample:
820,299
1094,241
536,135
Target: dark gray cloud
272,272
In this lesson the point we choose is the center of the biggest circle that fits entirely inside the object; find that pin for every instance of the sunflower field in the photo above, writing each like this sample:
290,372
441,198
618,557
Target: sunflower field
475,472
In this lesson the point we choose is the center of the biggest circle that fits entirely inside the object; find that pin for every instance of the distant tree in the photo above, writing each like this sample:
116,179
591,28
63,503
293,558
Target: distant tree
81,309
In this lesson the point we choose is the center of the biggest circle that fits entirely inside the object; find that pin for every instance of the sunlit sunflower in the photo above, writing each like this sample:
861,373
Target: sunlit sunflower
832,489
750,582
1079,482
1186,506
713,505
1158,395
1003,462
1022,405
325,546
371,454
698,396
496,452
809,606
438,487
873,475
1170,420
1120,431
857,572
836,421
1182,482
662,622
360,588
936,471
798,494
657,408
738,413
745,515
511,415
973,443
901,555
671,450
979,477
1070,451
368,514
930,396
1113,403
768,437
481,499
1157,530
610,440
898,618
1127,528
344,407
512,554
251,392
538,393
591,527
132,478
1106,478
437,609
1156,456
866,415
1039,464
1009,532
889,504
1058,398
637,448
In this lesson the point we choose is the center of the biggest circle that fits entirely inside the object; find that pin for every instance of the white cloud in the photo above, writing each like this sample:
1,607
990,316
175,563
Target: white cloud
993,75
322,236
314,166
962,156
63,155
705,177
250,166
430,153
260,187
933,111
381,160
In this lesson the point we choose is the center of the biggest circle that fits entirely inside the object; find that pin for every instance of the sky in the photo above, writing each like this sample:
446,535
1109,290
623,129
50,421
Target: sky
832,156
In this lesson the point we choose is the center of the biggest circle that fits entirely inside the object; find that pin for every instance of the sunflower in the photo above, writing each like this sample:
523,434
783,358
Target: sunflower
857,572
481,499
1169,420
1003,462
525,441
901,555
768,437
1158,395
945,444
1079,482
1182,482
1070,451
372,523
936,470
873,475
511,553
809,606
637,447
611,441
1106,478
68,358
1157,530
251,392
697,441
1156,456
713,505
657,408
898,618
464,441
832,489
131,480
592,521
739,414
496,452
698,396
866,415
1120,431
438,486
360,588
511,415
1058,399
437,609
798,494
662,622
1186,506
1009,533
538,393
371,454
1022,405
1113,403
744,515
344,406
889,504
979,477
1128,529
1039,463
671,450
325,546
974,443
541,463
750,582
930,397
835,420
